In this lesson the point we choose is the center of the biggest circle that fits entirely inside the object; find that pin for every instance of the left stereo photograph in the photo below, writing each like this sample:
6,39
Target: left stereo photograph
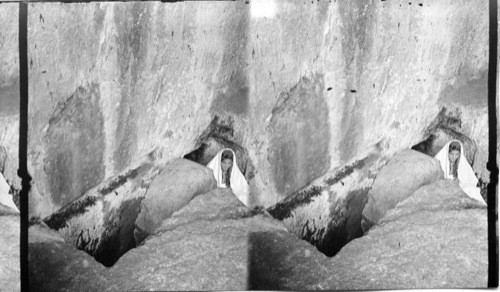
10,183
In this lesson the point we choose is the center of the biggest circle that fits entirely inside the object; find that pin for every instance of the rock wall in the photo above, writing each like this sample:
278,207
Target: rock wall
327,213
9,92
384,65
311,86
111,82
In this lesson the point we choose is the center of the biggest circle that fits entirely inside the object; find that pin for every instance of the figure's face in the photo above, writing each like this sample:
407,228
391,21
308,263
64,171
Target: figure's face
226,164
453,155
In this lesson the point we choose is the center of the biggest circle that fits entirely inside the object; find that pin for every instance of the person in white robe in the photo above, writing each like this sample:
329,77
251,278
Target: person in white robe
5,197
456,167
227,174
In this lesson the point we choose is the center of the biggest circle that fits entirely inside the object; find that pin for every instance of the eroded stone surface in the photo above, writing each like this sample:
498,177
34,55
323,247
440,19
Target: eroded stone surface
436,238
406,172
157,68
379,72
57,266
9,93
10,269
75,146
180,181
300,134
327,213
102,221
218,204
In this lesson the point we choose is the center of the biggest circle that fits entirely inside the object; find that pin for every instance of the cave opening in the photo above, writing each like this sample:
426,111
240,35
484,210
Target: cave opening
218,135
445,127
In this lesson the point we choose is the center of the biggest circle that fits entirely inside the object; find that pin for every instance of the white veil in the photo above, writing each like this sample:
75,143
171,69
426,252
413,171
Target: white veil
466,176
5,198
239,185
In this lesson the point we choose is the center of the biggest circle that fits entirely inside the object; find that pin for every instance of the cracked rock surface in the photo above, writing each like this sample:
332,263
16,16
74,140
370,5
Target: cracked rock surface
10,271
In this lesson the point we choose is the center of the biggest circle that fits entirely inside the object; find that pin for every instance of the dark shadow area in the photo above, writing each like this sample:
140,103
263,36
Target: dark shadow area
119,238
219,135
344,221
445,127
266,270
117,234
346,228
448,126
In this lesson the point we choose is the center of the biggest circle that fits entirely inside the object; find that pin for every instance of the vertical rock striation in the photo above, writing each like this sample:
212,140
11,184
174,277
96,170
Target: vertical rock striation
310,87
140,76
9,94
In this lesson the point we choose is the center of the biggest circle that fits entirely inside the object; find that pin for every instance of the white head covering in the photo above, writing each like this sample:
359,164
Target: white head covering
466,176
239,185
5,198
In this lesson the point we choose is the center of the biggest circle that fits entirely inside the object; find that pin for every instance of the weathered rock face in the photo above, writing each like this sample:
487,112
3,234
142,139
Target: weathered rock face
435,238
405,173
10,271
383,66
142,76
304,101
85,273
299,135
328,212
9,94
203,246
75,149
121,212
101,222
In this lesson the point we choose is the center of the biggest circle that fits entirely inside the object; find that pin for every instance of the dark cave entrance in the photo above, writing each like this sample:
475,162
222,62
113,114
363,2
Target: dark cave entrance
445,127
218,135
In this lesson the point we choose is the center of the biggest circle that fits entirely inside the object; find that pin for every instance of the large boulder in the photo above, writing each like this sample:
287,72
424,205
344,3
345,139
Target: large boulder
55,265
178,183
218,204
207,245
437,238
406,172
9,253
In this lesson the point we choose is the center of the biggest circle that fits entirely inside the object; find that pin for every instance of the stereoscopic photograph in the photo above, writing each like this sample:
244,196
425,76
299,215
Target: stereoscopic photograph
247,145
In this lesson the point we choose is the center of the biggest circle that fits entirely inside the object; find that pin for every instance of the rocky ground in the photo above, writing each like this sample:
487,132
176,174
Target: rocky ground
10,272
436,238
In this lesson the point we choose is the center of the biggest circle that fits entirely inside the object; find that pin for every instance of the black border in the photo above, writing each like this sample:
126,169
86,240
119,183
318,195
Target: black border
492,155
23,142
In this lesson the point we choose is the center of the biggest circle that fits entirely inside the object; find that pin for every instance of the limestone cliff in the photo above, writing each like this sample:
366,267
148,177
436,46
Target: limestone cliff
310,87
